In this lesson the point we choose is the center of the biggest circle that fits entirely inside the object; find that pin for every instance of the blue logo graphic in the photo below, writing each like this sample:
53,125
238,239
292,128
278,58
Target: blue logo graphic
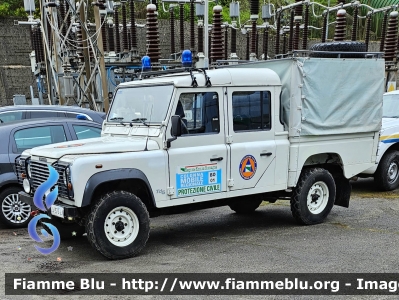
44,202
43,188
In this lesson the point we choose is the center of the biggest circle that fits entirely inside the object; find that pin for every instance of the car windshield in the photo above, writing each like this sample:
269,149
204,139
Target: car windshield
142,105
391,106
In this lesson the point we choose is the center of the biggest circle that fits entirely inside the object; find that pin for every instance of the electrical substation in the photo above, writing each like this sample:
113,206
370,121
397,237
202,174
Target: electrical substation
82,50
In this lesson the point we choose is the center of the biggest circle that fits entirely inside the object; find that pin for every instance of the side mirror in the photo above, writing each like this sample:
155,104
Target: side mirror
176,126
176,129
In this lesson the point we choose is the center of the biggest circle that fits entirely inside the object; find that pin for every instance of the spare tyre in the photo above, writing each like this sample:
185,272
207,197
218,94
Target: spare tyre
344,46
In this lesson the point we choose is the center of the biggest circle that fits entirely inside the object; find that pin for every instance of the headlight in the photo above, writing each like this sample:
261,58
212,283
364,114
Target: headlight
28,168
26,186
67,176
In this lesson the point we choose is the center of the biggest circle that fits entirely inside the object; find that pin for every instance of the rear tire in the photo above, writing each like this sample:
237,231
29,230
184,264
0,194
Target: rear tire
118,225
245,205
313,197
387,175
13,212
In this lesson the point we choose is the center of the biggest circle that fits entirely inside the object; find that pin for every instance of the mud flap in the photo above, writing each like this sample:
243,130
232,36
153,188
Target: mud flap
343,191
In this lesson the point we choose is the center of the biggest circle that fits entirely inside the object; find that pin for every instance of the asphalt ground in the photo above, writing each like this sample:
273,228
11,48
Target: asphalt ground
363,238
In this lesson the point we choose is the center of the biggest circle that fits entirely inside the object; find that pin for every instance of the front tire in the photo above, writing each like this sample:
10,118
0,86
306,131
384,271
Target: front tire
118,225
13,212
387,175
313,197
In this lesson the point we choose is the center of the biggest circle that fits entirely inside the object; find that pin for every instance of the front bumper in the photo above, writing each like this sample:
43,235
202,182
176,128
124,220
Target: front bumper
69,211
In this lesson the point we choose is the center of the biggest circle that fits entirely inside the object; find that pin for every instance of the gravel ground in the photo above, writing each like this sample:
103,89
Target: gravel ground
363,238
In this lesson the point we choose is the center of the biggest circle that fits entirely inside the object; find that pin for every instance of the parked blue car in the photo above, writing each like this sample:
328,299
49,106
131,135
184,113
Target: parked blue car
18,136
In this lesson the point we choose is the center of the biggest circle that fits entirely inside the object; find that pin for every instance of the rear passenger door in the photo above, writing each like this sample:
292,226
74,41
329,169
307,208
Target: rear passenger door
250,138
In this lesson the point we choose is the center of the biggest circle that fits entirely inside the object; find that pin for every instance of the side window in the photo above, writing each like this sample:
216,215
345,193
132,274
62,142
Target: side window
199,112
71,115
10,116
251,111
43,114
38,136
86,132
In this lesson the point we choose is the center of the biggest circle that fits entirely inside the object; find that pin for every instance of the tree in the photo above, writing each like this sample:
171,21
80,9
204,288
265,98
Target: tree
15,8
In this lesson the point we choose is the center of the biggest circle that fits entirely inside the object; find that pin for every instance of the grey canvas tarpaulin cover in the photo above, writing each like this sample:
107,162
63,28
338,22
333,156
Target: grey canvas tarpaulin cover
324,96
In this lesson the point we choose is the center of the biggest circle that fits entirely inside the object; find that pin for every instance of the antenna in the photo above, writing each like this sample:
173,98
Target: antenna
148,131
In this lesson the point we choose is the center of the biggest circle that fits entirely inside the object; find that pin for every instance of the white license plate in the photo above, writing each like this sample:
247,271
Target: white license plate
57,211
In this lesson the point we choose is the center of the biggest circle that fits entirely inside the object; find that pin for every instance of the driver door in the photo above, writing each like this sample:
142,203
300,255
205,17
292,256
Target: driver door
198,158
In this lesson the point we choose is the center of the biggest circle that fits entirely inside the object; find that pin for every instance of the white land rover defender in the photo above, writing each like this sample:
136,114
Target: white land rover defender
295,129
386,169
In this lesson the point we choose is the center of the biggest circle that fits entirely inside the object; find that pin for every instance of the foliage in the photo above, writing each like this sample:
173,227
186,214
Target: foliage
15,8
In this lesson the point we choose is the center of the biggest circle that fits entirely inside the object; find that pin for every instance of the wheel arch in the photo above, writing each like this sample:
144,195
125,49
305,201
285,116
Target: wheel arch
9,185
394,146
330,161
130,180
7,180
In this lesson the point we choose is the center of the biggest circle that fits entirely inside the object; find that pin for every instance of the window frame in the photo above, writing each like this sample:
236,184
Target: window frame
219,107
261,109
13,111
72,128
13,132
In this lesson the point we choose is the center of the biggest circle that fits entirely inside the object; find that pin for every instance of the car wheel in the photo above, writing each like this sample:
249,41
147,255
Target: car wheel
313,197
14,213
118,225
387,175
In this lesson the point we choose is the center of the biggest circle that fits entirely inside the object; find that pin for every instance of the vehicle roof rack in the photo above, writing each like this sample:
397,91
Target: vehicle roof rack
149,74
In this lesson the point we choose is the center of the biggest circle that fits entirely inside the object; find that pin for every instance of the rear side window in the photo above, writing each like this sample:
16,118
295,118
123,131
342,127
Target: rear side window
71,115
38,136
251,110
43,114
10,116
86,132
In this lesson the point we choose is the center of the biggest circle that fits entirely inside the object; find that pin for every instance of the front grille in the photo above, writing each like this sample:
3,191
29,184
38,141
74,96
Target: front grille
40,174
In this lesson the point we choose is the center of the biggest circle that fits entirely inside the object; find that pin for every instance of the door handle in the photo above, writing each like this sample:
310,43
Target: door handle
266,154
217,159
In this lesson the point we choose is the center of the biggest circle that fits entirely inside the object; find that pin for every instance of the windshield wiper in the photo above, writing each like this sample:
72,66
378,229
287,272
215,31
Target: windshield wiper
1,121
119,119
142,120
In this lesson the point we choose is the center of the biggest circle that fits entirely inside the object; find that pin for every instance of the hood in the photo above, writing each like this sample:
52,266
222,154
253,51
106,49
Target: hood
100,145
389,122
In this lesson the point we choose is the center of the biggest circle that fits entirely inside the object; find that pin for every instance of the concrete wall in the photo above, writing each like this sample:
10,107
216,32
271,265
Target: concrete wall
15,46
15,71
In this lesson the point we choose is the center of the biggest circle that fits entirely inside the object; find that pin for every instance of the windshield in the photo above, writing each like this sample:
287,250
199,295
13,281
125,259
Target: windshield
148,104
391,106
